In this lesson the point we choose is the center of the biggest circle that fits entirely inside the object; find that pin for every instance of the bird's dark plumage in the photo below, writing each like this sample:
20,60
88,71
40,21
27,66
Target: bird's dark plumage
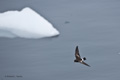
78,57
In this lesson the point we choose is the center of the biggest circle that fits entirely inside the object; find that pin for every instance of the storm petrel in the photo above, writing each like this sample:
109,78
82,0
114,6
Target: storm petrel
78,58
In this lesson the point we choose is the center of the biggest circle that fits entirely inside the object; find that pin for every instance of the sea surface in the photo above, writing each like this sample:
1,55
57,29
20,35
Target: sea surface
93,25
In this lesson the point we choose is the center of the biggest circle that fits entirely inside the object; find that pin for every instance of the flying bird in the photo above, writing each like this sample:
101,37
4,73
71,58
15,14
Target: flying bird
78,57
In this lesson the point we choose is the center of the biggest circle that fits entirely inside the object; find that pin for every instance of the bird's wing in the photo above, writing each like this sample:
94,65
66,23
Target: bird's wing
77,55
85,63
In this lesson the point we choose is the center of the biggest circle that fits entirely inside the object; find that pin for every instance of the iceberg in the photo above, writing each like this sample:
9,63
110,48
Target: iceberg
25,24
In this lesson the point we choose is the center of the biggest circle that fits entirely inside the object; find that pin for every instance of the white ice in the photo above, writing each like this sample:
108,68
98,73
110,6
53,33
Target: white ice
25,24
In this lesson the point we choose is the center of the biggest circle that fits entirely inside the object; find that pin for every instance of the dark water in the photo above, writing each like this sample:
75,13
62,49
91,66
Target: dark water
93,25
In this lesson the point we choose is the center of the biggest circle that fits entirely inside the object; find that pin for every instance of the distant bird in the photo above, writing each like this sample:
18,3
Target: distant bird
78,58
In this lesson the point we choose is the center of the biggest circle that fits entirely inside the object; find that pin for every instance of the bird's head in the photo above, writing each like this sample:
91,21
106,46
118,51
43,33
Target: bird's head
84,58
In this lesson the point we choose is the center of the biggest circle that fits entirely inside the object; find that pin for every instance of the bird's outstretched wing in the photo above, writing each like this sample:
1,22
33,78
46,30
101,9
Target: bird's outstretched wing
77,55
85,63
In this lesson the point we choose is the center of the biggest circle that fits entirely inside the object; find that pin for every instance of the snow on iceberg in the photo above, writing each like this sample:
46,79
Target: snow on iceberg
25,24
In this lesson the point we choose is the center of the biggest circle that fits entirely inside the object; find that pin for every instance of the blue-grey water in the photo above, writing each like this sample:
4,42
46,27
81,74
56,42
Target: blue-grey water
93,25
